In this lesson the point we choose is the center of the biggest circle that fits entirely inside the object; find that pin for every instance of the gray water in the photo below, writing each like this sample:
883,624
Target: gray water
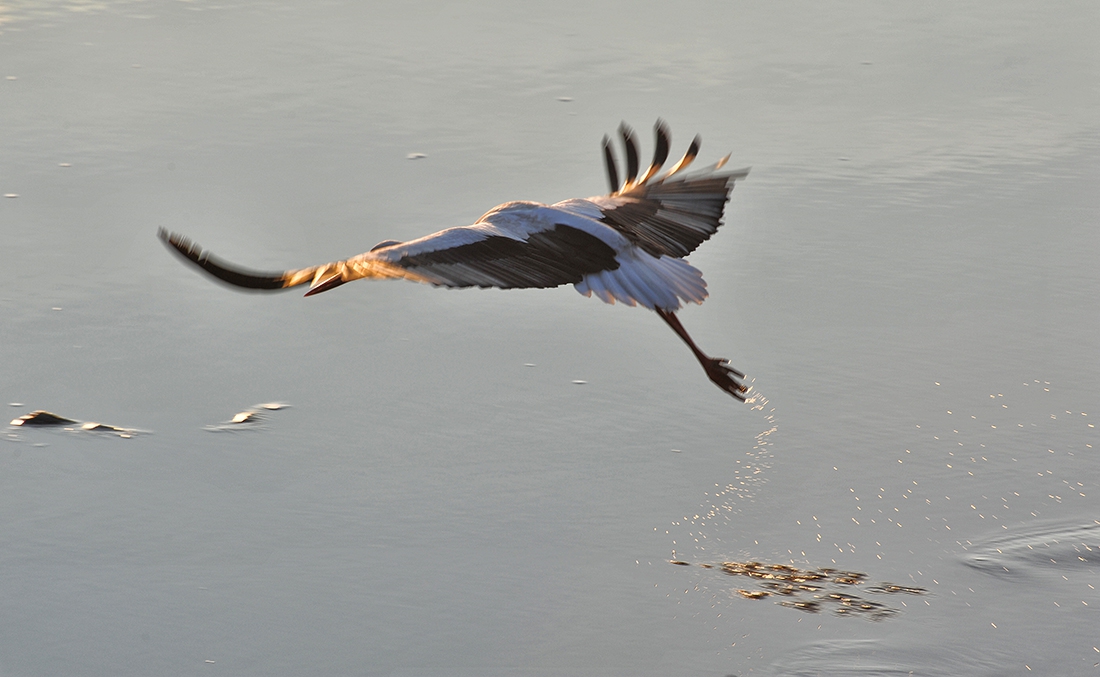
908,276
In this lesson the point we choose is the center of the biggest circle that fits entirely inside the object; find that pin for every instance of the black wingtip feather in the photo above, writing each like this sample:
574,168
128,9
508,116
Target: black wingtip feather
609,160
631,145
222,270
660,153
693,149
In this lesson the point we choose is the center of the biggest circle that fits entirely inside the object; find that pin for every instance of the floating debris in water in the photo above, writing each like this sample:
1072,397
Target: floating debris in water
753,594
272,406
245,417
812,590
103,427
810,606
565,99
844,605
415,156
580,383
15,404
891,589
11,194
64,164
248,419
46,419
42,417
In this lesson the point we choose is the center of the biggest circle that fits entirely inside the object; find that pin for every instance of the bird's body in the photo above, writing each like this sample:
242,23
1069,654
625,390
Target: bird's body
627,246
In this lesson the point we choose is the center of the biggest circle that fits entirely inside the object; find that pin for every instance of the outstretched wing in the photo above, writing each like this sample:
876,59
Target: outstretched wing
548,255
523,244
521,253
670,215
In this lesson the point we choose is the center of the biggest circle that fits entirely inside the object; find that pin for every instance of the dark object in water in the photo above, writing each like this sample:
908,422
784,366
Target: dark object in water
812,590
42,417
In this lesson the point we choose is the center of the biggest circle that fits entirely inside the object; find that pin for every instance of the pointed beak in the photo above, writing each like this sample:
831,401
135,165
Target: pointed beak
331,283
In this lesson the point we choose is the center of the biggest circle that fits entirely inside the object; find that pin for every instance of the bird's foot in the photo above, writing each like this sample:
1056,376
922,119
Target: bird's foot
725,377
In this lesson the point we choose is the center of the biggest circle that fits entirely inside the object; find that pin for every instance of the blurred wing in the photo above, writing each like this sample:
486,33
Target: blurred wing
470,256
228,272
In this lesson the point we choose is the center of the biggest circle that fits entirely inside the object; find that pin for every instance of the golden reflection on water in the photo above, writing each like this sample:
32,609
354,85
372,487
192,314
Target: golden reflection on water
748,471
1010,457
810,590
748,475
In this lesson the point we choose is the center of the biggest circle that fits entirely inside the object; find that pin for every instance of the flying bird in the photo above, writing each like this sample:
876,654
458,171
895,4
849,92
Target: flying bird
626,246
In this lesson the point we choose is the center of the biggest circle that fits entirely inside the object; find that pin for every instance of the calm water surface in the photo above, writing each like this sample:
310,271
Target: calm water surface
909,274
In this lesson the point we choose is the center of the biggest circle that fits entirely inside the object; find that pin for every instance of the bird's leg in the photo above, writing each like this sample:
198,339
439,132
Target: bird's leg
717,368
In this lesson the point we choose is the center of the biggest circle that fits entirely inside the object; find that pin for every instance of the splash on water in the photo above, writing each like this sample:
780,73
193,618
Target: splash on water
746,476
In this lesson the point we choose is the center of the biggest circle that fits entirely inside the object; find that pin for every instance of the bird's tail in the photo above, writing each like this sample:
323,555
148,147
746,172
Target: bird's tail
654,282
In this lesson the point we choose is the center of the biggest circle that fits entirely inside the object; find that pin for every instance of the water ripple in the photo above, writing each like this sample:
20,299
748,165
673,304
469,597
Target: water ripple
872,657
1037,548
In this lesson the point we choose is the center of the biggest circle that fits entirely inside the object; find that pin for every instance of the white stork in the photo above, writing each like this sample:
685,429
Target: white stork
628,246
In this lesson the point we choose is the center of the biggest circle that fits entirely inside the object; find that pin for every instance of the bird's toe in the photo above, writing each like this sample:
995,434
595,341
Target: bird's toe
725,364
725,377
